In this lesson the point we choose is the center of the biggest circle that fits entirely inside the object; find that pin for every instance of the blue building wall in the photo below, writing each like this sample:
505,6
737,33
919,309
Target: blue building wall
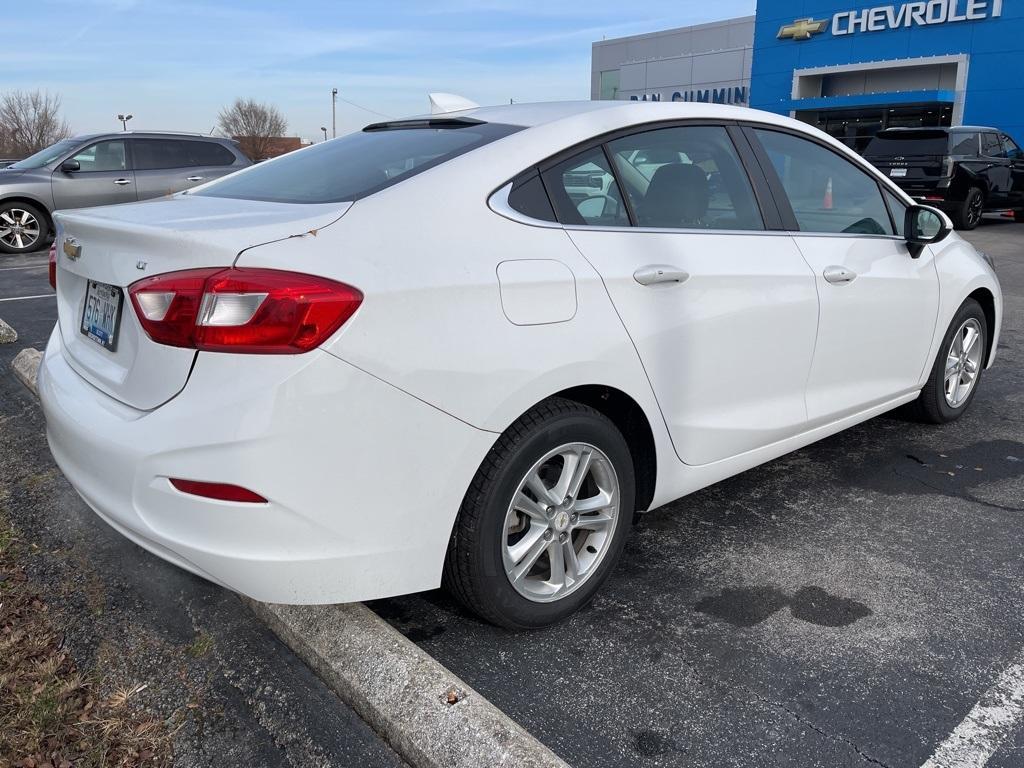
995,83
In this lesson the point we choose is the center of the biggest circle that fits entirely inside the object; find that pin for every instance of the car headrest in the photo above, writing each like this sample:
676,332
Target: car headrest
677,196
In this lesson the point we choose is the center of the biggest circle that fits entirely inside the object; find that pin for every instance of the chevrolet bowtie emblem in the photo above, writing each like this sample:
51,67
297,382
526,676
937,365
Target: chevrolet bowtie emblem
72,248
802,29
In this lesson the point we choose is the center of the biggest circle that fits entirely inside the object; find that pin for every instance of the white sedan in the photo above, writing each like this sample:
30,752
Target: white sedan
465,348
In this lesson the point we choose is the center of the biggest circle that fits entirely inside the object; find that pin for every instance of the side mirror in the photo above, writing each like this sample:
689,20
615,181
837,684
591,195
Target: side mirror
925,226
70,166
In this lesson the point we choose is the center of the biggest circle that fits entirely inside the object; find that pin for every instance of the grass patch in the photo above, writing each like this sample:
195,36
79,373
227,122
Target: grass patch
50,713
199,647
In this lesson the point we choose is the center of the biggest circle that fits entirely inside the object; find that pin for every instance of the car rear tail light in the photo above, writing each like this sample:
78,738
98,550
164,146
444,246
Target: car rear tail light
53,266
219,491
265,311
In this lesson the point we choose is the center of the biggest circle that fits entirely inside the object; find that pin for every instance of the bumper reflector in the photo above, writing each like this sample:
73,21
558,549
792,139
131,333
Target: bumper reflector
219,491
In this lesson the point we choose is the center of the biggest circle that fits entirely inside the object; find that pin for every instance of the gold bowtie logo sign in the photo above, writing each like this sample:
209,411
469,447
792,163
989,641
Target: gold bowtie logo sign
802,29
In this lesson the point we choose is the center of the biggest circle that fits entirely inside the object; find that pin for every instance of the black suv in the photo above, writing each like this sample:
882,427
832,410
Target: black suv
965,170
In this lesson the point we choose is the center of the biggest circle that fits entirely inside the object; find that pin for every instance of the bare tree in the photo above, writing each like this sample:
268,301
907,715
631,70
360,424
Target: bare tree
253,125
30,121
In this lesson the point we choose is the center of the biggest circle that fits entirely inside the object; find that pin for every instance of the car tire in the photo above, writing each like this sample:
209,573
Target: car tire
934,405
968,215
503,517
25,224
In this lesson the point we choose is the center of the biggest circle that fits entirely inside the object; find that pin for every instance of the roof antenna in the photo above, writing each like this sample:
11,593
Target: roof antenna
441,103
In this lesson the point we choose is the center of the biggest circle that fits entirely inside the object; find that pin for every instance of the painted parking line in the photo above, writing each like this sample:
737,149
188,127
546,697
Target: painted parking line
997,715
42,265
26,298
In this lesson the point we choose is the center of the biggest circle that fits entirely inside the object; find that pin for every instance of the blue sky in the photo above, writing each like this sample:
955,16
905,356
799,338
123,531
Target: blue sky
175,63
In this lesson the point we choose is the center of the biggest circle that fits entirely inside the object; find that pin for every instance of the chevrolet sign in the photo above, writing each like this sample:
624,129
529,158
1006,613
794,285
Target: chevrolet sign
802,29
917,14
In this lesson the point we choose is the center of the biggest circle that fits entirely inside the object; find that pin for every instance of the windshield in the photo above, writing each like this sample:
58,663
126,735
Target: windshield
357,165
46,156
908,143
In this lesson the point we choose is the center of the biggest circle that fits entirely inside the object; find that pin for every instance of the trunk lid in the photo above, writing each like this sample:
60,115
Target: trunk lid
119,245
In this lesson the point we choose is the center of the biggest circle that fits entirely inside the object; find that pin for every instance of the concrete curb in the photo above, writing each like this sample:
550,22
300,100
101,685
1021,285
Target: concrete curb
7,334
430,717
26,367
402,692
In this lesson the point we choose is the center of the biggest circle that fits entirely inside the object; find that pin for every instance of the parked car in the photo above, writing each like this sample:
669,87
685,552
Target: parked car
103,169
431,352
965,171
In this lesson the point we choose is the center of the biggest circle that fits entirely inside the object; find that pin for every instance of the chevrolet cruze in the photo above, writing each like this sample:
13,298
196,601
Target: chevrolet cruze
465,348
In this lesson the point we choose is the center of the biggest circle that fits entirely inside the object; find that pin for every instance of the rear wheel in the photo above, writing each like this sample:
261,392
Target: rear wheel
969,214
953,382
545,518
23,228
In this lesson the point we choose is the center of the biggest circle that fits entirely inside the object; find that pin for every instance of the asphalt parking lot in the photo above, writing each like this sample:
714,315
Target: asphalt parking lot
845,605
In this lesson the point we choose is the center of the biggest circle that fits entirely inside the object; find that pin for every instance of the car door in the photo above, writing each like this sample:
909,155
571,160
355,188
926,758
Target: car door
878,305
104,177
163,167
1016,157
996,169
722,311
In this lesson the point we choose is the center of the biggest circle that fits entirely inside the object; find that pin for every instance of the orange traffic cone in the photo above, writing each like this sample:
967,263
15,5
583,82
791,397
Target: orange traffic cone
827,202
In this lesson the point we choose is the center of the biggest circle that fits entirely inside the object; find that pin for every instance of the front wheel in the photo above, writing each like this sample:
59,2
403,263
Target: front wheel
953,382
545,518
23,228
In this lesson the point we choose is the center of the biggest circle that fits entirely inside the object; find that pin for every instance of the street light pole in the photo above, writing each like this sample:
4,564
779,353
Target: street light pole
324,129
124,121
334,113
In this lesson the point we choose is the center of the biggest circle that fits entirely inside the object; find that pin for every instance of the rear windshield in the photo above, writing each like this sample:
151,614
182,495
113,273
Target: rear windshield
908,143
357,165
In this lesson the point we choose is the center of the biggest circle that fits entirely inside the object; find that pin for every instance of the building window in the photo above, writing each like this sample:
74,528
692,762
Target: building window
609,85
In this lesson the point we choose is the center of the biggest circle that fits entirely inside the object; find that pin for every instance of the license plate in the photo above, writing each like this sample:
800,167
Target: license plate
102,314
898,172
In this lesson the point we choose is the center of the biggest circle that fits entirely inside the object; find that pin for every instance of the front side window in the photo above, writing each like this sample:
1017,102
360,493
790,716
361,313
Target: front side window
103,156
827,192
898,209
359,164
584,191
686,178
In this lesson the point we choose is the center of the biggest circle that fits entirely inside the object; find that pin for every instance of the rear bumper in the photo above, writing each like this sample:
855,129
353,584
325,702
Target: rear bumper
363,480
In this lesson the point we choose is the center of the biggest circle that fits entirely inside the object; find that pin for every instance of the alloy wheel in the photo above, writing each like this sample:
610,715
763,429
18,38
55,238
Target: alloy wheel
975,209
561,522
18,228
963,363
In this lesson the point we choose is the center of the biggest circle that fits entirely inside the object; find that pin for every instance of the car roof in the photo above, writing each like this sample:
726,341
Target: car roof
623,112
943,129
147,134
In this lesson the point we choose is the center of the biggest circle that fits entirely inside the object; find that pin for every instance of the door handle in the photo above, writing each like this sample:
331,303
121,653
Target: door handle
660,273
839,275
122,182
194,178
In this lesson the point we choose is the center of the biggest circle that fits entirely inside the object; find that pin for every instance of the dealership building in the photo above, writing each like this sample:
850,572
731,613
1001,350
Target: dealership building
851,68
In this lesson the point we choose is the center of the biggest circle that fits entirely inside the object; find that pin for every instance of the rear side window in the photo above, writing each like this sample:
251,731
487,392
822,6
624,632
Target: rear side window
1010,147
990,145
157,154
827,192
357,165
209,153
964,144
686,178
529,198
584,191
